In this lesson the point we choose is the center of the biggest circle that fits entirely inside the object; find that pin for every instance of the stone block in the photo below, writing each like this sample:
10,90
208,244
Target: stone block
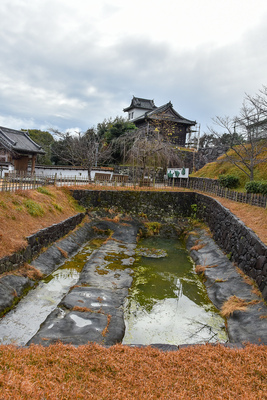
261,260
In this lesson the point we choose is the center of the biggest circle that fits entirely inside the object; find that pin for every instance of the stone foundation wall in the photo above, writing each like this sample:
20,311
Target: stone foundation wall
159,205
239,242
39,240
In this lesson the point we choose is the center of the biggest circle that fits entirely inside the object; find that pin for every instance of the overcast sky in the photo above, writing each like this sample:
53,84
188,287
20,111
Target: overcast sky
69,64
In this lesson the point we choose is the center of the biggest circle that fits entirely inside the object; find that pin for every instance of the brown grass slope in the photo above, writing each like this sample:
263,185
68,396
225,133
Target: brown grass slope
27,211
223,167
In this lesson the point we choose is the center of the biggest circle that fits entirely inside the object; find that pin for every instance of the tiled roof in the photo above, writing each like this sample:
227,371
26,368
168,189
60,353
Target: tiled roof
138,102
19,141
159,110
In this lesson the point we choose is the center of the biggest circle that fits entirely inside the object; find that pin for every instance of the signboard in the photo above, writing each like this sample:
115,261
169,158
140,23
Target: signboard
177,173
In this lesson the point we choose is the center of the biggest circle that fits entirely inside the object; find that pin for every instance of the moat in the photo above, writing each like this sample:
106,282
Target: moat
167,301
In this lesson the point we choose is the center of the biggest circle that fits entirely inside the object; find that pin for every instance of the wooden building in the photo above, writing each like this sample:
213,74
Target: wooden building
165,120
18,151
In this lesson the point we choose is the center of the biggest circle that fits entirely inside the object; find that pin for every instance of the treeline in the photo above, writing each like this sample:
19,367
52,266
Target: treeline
64,148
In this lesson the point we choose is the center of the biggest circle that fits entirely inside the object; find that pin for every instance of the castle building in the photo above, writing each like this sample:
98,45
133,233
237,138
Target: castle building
164,119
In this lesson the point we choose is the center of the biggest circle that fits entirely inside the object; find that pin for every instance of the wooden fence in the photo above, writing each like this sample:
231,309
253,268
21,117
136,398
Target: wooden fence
212,186
14,182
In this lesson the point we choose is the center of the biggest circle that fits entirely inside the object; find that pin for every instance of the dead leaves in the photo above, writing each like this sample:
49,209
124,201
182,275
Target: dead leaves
123,372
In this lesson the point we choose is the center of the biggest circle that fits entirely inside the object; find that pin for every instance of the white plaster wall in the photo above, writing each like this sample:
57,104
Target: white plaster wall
61,172
137,113
68,172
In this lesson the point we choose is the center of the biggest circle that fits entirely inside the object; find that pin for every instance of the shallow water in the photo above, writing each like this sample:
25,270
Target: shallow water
22,322
168,302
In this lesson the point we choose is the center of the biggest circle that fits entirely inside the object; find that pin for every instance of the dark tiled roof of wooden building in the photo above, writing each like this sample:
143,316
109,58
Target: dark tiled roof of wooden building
138,102
18,141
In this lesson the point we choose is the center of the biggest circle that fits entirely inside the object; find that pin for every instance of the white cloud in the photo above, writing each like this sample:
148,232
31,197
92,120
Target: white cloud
17,123
73,63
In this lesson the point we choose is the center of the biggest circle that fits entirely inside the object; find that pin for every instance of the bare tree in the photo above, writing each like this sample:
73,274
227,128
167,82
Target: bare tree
86,150
247,133
147,150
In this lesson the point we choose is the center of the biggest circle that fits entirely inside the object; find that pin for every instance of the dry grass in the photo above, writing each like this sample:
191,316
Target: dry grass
199,269
63,252
131,188
115,219
16,223
29,271
254,217
222,166
249,281
121,372
234,303
105,330
26,270
198,246
82,309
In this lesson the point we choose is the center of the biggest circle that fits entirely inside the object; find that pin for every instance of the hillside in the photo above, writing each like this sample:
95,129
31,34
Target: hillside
27,211
223,167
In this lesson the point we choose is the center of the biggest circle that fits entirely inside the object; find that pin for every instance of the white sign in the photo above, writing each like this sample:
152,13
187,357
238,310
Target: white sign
177,172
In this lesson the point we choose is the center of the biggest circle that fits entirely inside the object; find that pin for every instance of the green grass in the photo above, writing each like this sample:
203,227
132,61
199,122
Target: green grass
57,207
44,190
72,201
3,204
33,208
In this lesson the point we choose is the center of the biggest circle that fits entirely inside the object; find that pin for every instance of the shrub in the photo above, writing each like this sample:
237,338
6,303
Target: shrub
264,188
256,187
153,228
229,181
253,187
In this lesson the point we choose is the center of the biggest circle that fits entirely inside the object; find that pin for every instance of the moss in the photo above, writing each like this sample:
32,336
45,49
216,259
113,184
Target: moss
115,261
101,271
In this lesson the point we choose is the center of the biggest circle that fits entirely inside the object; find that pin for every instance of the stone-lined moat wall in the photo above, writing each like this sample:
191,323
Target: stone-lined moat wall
239,242
38,240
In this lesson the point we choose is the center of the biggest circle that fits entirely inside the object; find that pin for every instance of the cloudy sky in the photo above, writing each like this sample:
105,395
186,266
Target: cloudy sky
69,64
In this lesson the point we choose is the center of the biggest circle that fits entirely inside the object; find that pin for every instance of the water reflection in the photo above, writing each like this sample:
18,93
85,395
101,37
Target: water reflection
21,323
168,302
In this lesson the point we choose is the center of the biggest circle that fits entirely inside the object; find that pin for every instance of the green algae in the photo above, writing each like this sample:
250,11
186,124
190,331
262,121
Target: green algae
76,263
116,261
151,252
167,301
